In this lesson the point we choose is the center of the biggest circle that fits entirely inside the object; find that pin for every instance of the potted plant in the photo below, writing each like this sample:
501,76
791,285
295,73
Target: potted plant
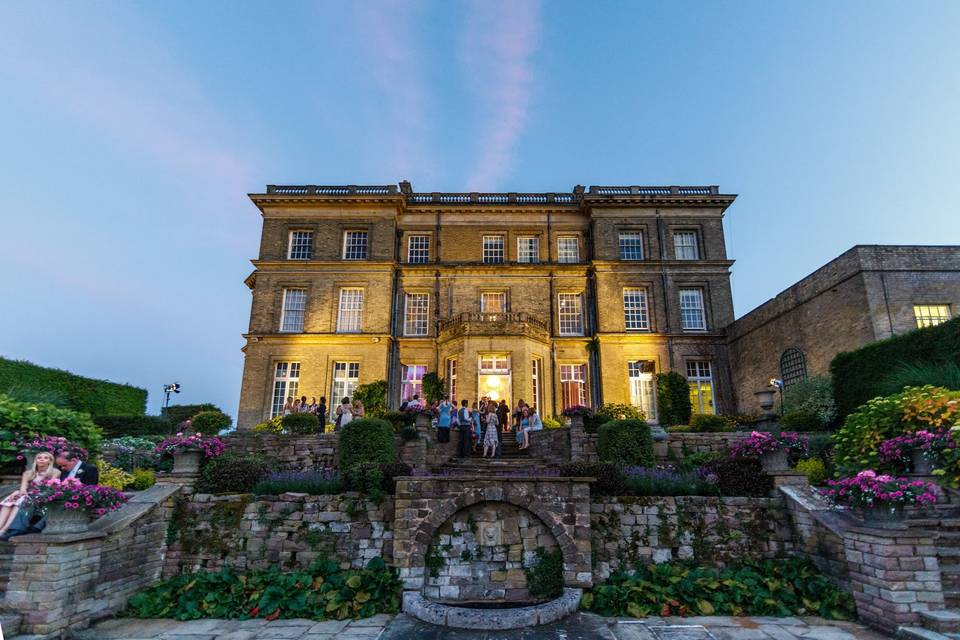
921,448
422,417
881,497
772,449
50,444
189,451
577,414
70,504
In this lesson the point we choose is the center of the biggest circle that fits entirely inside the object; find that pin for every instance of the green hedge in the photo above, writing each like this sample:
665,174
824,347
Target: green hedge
673,399
19,378
366,441
118,426
177,413
859,375
28,419
626,442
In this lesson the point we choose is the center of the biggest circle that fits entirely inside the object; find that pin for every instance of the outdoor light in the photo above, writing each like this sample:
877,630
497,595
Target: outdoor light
774,382
173,387
493,382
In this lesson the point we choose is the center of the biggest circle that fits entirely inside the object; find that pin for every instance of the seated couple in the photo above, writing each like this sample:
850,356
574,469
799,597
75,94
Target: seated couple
15,521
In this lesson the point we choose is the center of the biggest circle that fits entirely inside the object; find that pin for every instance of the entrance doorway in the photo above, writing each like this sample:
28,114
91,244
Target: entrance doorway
493,377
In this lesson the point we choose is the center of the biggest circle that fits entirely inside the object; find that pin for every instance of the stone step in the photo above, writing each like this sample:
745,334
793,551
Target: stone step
919,633
951,598
943,621
9,624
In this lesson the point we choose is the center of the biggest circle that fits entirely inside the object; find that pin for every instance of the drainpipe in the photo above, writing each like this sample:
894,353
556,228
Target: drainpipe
393,361
666,293
553,351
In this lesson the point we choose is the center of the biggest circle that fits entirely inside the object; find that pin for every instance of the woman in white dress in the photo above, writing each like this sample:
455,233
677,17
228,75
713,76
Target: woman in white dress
344,414
491,438
43,470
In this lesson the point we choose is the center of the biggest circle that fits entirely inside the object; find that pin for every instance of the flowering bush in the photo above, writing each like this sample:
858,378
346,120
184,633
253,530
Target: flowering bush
931,442
578,410
761,442
133,452
273,425
51,444
95,499
211,447
867,489
665,481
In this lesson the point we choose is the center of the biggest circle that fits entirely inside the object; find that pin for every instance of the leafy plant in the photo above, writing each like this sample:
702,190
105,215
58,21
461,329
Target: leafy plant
545,578
232,473
113,477
399,419
673,399
918,374
375,480
409,433
30,420
614,411
316,483
95,499
301,424
783,587
368,440
274,425
812,396
741,477
611,480
132,452
433,387
649,481
322,592
550,423
625,442
373,395
142,479
210,423
814,469
707,422
801,420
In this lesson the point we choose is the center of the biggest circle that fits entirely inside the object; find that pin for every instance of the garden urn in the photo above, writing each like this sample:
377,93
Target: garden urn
778,460
921,462
576,421
423,421
187,461
62,520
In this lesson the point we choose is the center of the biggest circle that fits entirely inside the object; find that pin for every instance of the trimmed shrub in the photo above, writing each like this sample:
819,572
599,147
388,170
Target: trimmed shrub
177,413
550,423
373,395
366,441
860,375
301,424
707,423
142,479
274,425
611,480
119,426
44,420
741,477
614,411
813,395
801,420
113,477
231,473
814,469
30,382
673,399
626,442
375,480
210,423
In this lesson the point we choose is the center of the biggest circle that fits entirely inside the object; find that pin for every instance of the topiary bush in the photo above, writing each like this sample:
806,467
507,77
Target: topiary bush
232,473
177,413
274,426
673,399
369,440
113,477
119,426
301,424
626,442
814,469
142,479
210,423
611,480
615,411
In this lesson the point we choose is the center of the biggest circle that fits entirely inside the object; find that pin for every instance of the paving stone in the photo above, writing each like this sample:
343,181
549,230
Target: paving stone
776,632
328,627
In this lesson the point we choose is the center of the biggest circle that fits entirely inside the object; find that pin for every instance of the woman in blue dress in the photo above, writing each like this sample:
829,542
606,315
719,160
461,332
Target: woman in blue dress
523,428
443,420
475,414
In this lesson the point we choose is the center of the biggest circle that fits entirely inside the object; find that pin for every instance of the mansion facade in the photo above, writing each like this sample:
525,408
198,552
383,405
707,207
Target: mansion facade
558,299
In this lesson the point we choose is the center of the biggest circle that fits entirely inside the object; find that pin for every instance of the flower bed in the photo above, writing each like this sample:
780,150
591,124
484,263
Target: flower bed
759,443
96,500
52,445
868,489
667,481
211,447
315,483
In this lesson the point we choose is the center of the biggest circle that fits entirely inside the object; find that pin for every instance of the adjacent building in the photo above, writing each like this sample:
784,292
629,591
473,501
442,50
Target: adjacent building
869,293
555,298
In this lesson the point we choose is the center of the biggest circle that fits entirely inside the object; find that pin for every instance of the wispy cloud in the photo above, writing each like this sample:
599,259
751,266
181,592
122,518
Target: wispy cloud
497,48
396,64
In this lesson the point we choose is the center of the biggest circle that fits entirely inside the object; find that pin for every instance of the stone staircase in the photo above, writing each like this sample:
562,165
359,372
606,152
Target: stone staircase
512,460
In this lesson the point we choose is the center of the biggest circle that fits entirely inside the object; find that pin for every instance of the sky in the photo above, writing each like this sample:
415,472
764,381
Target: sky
131,132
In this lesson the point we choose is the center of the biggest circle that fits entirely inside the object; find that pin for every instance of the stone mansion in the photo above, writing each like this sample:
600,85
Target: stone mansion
558,299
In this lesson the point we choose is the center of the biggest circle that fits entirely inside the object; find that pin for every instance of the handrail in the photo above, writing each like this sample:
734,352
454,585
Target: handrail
506,316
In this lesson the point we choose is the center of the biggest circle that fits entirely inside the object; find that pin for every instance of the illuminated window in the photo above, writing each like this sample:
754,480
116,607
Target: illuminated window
571,314
415,310
346,377
494,363
793,366
301,245
294,308
493,249
536,378
643,388
452,379
573,385
631,245
355,245
929,315
286,383
350,315
411,381
635,310
528,249
700,379
685,245
418,249
691,310
568,249
493,301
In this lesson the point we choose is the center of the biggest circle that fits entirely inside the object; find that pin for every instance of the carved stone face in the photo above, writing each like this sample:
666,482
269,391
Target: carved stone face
491,534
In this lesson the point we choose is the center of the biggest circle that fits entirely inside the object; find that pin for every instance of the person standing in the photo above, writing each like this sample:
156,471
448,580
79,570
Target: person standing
287,407
344,414
491,435
443,420
322,413
503,418
476,416
464,423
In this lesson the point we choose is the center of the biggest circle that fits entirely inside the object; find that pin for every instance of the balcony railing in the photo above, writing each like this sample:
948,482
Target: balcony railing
475,197
508,316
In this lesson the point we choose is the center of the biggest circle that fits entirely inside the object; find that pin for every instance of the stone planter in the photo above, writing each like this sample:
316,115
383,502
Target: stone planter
63,520
187,461
921,462
576,422
884,516
422,421
775,460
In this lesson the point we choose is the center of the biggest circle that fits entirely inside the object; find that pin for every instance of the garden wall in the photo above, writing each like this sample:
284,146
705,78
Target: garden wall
551,445
626,530
296,452
291,530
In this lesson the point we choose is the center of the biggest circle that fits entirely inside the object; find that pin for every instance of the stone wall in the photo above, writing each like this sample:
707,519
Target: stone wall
291,530
551,445
482,551
296,452
627,530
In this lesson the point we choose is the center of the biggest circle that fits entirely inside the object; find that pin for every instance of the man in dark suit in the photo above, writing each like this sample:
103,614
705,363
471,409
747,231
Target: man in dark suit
71,466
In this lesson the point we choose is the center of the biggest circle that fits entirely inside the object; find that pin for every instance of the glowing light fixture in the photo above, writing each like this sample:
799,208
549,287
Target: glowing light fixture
493,381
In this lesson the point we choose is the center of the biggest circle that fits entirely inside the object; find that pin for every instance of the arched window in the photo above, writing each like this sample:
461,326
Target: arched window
793,366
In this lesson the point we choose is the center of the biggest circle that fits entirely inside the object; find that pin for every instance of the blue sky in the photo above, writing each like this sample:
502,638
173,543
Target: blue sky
131,133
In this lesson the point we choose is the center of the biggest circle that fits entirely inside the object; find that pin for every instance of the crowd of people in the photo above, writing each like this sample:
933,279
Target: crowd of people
15,519
345,412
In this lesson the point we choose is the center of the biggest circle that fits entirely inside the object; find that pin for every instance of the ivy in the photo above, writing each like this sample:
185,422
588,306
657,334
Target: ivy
545,578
